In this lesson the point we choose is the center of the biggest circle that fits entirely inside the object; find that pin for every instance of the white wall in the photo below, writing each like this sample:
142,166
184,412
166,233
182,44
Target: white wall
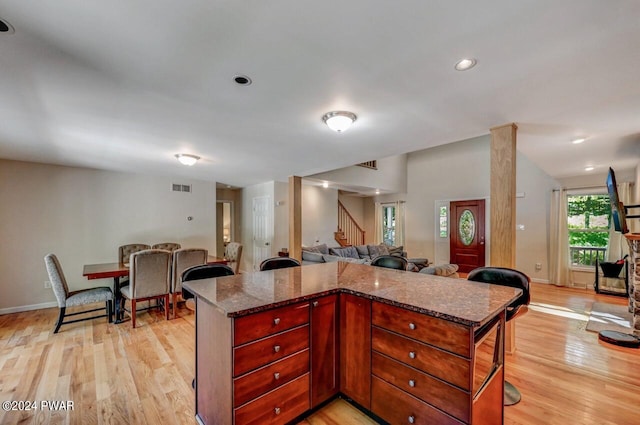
319,215
355,206
391,175
462,171
82,216
281,217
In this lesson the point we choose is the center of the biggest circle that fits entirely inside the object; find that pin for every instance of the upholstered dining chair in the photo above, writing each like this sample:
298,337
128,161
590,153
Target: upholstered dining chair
183,259
233,253
149,278
390,262
515,279
278,263
167,246
125,251
65,298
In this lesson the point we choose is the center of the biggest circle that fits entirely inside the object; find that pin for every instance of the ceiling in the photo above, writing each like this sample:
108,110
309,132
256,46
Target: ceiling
125,85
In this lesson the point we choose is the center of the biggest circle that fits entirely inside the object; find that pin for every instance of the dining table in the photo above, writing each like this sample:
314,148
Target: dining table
119,270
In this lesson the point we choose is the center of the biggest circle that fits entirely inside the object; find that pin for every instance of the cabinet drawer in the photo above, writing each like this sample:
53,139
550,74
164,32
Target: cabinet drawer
263,380
259,325
439,363
397,407
264,351
277,407
444,396
441,333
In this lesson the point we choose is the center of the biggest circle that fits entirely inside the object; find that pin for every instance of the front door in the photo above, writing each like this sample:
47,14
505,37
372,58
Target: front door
467,234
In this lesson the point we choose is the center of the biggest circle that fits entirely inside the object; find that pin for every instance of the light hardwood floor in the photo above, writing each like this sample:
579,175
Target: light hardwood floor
115,374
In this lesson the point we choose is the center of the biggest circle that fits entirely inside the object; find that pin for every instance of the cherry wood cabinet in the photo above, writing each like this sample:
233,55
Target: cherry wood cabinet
324,349
355,349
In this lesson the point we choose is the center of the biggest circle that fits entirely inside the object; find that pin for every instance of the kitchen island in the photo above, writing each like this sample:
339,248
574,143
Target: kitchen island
404,347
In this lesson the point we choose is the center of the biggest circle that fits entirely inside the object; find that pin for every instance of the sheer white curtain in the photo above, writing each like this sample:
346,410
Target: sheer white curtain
618,246
559,272
377,235
399,241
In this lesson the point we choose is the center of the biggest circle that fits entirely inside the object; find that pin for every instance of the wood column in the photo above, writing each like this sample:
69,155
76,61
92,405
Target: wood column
295,217
503,207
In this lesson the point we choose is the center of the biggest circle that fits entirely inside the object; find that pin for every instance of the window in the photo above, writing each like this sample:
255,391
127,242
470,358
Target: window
389,224
444,222
588,220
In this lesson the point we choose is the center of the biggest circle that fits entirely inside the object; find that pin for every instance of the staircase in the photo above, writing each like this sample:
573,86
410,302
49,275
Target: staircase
349,232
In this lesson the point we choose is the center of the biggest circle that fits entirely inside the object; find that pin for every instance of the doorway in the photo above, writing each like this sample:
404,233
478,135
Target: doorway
467,235
262,230
224,225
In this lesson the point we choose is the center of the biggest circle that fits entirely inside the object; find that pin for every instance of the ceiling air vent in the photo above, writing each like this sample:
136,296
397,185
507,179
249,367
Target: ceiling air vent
175,187
369,164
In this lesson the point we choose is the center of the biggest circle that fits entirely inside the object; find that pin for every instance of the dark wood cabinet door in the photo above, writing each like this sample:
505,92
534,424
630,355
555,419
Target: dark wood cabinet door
324,349
355,348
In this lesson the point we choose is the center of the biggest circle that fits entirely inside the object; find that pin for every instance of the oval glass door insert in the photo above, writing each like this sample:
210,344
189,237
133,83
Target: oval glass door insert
467,227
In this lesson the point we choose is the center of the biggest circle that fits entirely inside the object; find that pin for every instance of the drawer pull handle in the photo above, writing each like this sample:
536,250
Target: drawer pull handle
276,375
315,303
276,321
412,326
412,354
277,411
412,383
276,348
412,419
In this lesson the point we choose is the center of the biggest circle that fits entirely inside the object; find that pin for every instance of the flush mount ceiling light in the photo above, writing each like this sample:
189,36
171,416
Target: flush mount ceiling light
325,185
578,140
5,27
465,64
339,120
187,159
589,168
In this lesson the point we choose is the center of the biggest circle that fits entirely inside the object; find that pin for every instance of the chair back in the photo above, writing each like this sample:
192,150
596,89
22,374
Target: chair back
149,273
167,246
206,271
183,259
125,251
57,279
278,263
505,277
233,253
390,262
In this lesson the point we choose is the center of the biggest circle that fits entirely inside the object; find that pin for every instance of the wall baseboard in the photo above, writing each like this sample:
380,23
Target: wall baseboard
540,280
27,308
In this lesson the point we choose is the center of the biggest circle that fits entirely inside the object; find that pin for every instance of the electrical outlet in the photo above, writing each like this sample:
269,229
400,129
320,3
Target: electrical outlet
47,284
538,266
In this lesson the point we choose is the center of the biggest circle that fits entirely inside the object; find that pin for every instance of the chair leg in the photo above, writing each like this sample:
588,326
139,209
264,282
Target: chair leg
166,307
109,311
60,318
175,302
133,313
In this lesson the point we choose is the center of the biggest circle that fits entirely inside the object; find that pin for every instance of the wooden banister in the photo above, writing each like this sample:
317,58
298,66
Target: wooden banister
349,232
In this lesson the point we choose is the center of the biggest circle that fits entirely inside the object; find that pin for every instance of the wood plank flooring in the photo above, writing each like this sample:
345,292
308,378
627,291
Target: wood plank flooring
118,375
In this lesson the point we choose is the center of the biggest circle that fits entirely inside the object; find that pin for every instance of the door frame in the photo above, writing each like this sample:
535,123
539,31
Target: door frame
445,253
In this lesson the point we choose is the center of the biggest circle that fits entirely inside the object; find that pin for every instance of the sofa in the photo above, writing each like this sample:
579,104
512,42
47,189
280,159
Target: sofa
359,254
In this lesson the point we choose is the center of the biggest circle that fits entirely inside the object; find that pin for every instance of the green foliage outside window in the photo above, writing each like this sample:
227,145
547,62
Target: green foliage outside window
389,225
588,218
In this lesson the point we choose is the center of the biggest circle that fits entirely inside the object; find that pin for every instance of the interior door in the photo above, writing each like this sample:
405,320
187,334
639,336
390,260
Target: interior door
467,241
262,232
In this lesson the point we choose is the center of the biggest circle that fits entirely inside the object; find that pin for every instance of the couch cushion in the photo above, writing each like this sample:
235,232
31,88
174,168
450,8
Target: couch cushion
334,258
346,251
377,250
322,248
443,270
316,257
363,251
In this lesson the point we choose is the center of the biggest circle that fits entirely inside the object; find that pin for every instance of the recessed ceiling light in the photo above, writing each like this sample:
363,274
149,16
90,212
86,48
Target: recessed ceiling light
242,80
589,168
377,191
578,140
339,120
5,27
187,159
325,185
465,64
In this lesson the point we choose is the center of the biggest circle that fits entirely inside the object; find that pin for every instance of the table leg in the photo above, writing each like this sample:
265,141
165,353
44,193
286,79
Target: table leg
117,296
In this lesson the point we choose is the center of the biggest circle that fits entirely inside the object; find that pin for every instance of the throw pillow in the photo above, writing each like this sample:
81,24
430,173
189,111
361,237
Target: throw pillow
396,250
363,251
446,269
316,257
346,251
322,248
377,250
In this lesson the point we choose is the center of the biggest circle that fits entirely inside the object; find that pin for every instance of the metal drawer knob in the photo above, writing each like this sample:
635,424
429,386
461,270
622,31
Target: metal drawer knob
276,348
277,411
276,321
412,326
276,375
412,383
316,303
412,419
412,354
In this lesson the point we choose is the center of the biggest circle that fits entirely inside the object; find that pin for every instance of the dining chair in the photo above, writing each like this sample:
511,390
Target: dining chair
149,278
233,253
390,262
278,263
167,246
66,298
125,251
515,279
183,259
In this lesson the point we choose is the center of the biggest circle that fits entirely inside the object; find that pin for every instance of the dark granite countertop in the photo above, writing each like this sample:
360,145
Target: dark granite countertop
457,300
